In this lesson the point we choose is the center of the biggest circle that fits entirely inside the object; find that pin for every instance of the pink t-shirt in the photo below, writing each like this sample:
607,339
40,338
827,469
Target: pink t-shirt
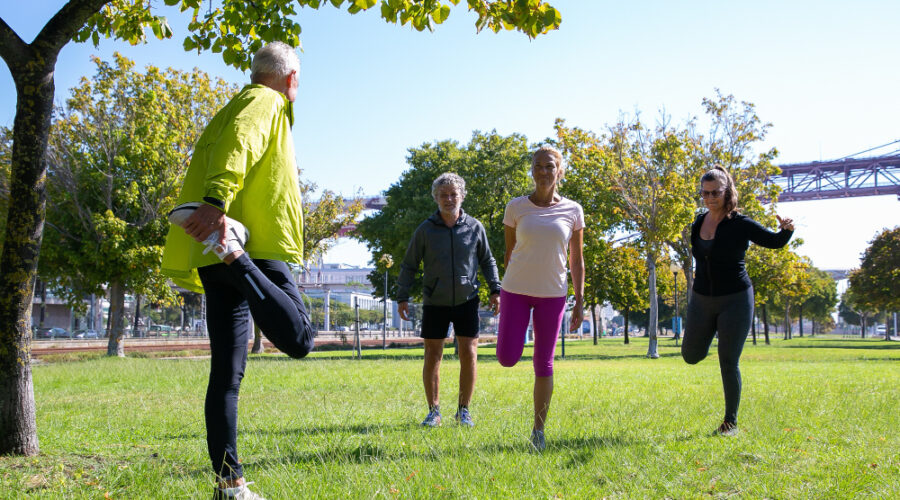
537,266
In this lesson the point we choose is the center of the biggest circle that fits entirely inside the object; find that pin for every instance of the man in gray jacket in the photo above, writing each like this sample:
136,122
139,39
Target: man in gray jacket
453,246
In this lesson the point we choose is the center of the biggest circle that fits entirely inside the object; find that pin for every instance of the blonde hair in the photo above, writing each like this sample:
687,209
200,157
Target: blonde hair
555,153
720,175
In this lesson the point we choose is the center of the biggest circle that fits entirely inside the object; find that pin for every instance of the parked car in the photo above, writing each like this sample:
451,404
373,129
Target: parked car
880,330
59,333
87,334
40,333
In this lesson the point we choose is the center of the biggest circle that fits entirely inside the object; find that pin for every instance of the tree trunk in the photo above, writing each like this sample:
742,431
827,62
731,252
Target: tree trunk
787,321
862,326
22,242
626,325
766,324
137,316
257,340
753,325
594,318
31,67
116,345
800,316
653,320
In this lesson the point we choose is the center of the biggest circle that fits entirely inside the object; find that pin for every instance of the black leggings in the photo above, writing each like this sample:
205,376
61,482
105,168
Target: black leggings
265,289
730,316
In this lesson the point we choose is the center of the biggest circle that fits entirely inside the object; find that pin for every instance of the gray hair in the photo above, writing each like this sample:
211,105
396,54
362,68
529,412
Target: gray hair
555,153
448,179
275,60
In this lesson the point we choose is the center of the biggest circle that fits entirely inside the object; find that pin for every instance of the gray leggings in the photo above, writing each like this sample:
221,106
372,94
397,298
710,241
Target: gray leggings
730,316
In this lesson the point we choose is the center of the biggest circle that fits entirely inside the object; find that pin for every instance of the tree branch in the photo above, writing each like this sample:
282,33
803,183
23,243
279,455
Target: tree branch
60,29
13,49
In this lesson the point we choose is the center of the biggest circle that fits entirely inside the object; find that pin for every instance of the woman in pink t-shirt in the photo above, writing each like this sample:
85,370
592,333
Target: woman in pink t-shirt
541,229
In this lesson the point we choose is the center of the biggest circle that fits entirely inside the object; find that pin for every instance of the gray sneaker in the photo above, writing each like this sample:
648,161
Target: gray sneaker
180,214
241,492
463,417
537,440
433,419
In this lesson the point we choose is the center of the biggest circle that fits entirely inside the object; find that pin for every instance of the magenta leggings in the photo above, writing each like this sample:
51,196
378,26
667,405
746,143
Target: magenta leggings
515,310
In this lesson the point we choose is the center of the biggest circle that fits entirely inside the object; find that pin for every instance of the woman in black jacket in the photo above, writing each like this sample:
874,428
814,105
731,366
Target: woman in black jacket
722,299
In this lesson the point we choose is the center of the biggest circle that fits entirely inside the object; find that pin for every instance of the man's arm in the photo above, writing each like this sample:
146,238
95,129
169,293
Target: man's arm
410,264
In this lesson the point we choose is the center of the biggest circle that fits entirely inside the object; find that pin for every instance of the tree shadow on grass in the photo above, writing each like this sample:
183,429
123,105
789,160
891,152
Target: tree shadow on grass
369,356
835,345
355,429
365,453
584,444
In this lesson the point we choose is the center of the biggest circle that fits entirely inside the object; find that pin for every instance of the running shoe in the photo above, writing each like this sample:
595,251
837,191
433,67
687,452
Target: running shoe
463,417
433,419
241,492
180,214
727,429
235,239
537,440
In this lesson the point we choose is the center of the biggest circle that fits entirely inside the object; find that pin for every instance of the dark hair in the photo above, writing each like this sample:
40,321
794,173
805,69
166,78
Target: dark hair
720,175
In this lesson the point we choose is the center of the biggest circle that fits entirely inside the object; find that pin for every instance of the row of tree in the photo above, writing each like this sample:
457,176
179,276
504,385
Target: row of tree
874,290
639,186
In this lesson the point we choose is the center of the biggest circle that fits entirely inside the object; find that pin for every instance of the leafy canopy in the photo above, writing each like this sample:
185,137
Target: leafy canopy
238,28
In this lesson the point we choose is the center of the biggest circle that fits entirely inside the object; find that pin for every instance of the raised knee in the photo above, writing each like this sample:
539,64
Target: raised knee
507,361
692,358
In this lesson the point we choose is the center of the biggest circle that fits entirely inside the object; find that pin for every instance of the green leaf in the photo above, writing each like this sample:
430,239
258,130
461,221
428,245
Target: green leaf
441,14
363,4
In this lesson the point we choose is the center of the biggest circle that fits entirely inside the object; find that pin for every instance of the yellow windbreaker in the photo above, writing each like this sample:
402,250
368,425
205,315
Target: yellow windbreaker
245,157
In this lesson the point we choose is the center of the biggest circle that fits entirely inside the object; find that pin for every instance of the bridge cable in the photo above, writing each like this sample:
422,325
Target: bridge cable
870,149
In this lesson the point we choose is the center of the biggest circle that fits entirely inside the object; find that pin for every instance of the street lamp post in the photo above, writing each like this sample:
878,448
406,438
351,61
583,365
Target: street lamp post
387,261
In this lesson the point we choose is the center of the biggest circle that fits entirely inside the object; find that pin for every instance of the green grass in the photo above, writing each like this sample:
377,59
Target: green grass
819,419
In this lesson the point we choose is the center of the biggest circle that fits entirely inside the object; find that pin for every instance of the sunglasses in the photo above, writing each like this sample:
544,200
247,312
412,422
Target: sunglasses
712,194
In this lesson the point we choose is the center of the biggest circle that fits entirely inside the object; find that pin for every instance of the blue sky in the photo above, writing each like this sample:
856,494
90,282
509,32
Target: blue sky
824,73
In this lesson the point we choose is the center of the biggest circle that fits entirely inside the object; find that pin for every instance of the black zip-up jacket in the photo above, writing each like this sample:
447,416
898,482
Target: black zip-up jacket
722,272
452,256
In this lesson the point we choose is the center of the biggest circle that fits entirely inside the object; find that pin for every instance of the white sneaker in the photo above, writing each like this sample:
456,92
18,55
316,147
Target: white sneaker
241,492
235,239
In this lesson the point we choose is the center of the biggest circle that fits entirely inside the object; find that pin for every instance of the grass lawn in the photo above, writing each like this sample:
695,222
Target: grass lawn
820,418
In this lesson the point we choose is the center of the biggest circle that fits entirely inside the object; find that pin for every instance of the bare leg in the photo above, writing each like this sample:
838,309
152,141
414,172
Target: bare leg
431,372
543,391
468,371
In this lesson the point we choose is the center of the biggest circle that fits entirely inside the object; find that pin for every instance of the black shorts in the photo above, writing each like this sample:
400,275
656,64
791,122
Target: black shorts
436,320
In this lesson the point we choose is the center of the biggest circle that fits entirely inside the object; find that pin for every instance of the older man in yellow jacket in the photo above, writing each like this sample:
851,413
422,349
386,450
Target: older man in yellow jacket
241,200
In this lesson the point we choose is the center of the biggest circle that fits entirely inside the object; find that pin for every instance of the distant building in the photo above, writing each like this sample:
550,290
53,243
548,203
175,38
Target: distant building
346,284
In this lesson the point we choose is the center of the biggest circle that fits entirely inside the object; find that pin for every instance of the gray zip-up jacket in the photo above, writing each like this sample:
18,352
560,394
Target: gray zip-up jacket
451,258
